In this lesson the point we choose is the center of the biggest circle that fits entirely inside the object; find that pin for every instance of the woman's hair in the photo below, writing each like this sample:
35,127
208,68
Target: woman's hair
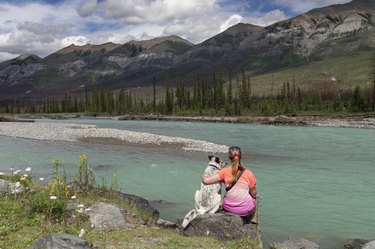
234,155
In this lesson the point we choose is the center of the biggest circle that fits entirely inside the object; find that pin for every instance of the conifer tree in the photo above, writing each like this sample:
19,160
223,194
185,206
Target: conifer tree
154,95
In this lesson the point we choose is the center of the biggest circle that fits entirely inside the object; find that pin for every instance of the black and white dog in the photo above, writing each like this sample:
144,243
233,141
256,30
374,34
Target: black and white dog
208,198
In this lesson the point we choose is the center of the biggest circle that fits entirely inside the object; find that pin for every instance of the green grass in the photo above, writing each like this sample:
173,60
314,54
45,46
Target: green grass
352,69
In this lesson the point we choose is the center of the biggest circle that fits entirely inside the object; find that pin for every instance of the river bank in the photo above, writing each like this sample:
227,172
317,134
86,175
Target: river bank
354,121
364,121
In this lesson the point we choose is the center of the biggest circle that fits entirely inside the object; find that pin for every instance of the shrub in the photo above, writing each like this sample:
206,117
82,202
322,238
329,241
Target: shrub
84,179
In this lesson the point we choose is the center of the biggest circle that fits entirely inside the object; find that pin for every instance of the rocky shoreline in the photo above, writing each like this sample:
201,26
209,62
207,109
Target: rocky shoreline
354,121
362,121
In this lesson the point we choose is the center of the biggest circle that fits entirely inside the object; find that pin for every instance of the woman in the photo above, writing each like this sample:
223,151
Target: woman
240,197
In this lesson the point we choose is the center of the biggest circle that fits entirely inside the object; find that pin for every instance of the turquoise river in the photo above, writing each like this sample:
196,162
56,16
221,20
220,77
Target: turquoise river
317,183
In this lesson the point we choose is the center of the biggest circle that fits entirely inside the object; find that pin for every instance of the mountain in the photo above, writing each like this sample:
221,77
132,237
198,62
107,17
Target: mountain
318,36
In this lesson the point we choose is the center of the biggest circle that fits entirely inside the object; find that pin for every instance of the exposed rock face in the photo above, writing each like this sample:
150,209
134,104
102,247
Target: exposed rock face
223,226
62,241
317,34
296,243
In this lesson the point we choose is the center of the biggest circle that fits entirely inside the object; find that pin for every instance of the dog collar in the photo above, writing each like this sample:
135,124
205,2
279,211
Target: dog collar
214,165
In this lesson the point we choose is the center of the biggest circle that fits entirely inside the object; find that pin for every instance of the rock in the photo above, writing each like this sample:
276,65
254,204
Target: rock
166,223
105,217
4,186
7,187
221,226
141,204
296,243
369,245
354,243
62,241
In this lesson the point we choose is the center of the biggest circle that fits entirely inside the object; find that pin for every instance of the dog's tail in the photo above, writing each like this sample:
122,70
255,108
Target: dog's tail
189,217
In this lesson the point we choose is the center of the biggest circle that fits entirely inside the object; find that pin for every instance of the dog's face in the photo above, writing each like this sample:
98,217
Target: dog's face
214,159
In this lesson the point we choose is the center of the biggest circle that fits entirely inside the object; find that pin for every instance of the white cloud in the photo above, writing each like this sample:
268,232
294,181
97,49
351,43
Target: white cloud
271,17
76,40
157,11
7,56
232,20
87,8
42,29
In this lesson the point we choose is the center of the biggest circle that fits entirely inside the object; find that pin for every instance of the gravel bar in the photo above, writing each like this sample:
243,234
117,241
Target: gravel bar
77,132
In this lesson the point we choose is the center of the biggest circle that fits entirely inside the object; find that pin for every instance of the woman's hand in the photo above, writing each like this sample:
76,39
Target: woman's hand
210,179
253,192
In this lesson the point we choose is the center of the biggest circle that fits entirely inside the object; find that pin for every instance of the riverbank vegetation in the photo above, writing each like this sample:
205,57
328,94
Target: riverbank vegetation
60,207
212,95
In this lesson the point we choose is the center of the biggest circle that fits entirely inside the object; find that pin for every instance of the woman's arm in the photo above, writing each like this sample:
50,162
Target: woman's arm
210,179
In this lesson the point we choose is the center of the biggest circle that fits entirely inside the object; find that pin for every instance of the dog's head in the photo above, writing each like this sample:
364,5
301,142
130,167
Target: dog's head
214,160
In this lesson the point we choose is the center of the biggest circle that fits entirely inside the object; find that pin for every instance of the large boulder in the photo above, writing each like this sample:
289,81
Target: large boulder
223,226
141,204
354,243
62,241
369,245
296,243
105,217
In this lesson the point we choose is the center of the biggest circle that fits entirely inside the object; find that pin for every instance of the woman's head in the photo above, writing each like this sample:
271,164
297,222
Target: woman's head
234,154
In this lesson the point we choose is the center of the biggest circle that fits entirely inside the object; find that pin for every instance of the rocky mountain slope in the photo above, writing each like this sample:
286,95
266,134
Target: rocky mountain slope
313,36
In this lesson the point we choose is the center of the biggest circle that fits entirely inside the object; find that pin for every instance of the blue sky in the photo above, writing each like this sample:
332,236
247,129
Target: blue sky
42,27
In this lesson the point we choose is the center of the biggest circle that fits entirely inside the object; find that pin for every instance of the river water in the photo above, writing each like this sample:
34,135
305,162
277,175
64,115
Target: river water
317,183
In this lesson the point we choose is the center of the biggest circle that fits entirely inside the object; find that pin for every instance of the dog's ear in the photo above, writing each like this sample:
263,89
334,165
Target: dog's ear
210,157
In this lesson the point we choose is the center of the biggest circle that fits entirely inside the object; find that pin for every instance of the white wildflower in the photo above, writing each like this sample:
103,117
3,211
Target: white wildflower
16,172
73,197
28,169
82,233
25,175
80,210
333,78
52,197
87,210
81,206
18,184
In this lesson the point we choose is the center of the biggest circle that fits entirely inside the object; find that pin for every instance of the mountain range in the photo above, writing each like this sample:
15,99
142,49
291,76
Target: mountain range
313,37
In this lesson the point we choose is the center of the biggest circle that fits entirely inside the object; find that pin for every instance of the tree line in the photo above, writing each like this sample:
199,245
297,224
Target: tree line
207,96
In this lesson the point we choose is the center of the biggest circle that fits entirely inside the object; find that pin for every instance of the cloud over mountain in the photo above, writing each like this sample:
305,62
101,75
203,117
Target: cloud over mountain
42,27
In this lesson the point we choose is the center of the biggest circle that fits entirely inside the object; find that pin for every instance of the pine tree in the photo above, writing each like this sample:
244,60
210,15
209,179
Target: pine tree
229,91
154,95
168,100
357,102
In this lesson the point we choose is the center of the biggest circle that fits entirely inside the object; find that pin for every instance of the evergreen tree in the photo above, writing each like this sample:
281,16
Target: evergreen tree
168,101
229,91
154,95
357,102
